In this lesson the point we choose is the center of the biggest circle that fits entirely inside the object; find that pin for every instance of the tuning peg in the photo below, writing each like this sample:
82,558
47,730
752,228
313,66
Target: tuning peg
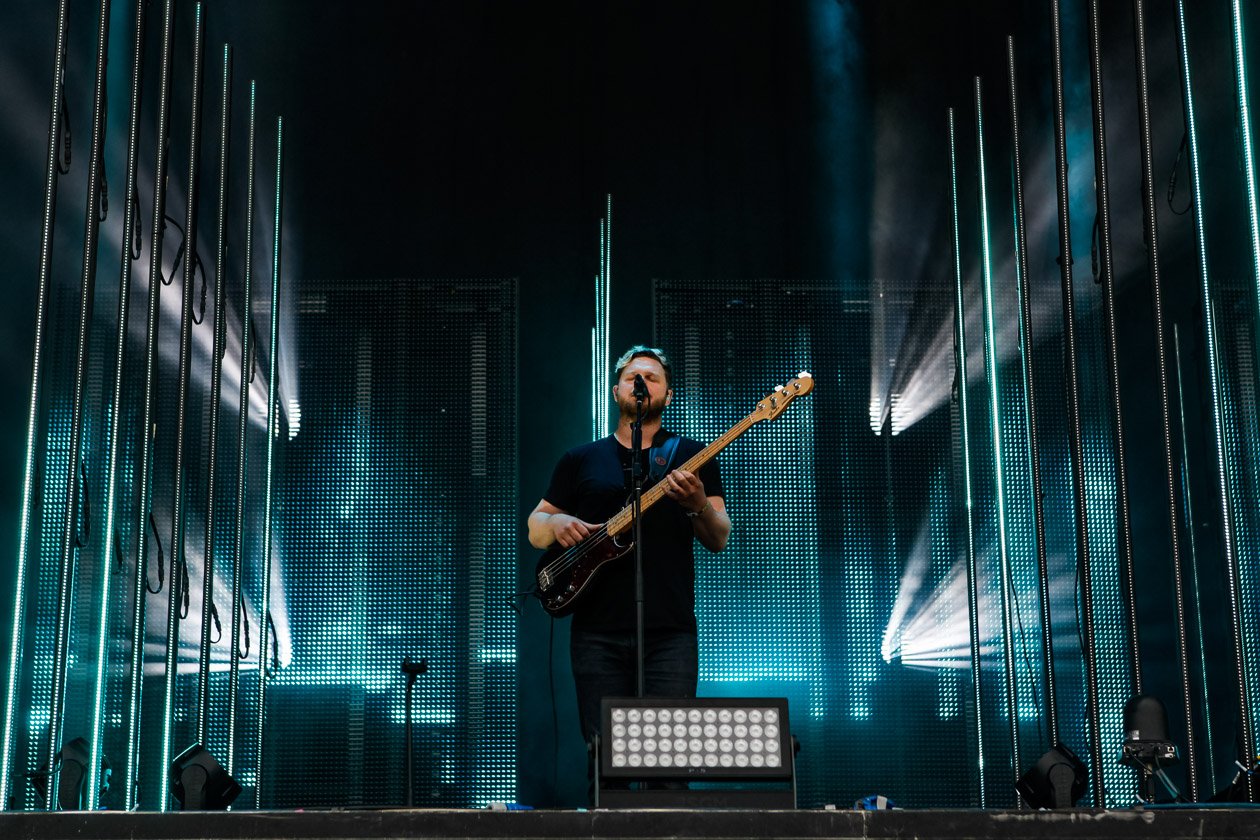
778,387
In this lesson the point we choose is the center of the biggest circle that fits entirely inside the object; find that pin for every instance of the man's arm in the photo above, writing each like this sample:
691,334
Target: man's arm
710,522
549,525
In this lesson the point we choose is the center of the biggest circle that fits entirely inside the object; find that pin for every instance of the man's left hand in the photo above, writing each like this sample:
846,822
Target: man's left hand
686,489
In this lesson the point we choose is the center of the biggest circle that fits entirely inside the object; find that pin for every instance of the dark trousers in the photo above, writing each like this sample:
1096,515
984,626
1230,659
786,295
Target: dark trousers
604,665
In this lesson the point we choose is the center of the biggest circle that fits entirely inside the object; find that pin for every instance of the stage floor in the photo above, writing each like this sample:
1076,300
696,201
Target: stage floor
1169,823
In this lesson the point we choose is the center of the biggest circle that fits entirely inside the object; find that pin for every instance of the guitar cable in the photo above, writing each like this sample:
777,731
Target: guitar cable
555,712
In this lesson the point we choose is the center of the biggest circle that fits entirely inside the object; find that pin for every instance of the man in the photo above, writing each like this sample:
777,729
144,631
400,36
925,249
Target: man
589,485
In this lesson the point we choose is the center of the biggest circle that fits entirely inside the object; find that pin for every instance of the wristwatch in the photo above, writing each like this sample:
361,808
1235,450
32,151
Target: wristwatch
693,514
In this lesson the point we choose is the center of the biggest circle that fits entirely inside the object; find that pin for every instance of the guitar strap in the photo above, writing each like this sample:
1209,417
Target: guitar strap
661,459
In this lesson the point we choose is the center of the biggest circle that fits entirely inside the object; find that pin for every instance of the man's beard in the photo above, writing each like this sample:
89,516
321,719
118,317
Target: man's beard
652,409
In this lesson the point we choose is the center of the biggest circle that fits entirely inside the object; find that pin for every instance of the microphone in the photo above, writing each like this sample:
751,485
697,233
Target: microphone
414,667
640,388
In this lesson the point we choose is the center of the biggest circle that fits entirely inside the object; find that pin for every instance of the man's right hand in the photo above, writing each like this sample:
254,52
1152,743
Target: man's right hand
569,530
549,525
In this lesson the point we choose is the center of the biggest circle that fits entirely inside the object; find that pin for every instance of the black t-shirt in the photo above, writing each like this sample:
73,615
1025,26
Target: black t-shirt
592,483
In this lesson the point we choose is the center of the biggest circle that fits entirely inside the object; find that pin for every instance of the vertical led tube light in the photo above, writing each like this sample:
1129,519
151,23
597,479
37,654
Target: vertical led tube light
242,429
145,456
273,428
32,417
1102,195
1244,116
960,354
1246,744
595,435
216,397
1204,696
1075,431
607,310
1150,229
71,537
1030,404
599,345
999,465
605,321
1249,166
113,409
178,531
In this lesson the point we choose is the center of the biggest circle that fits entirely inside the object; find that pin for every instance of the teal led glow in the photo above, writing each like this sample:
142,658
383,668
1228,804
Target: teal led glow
603,324
770,474
112,414
999,467
367,482
949,702
144,455
595,374
1245,130
606,314
601,384
102,638
273,422
32,416
1209,319
210,560
1029,708
67,600
178,528
241,436
1244,111
759,646
973,612
1194,552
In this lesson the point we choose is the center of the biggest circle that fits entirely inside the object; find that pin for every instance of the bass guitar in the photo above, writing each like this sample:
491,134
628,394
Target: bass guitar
563,575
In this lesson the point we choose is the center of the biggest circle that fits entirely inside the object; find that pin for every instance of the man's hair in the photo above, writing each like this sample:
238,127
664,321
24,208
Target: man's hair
639,351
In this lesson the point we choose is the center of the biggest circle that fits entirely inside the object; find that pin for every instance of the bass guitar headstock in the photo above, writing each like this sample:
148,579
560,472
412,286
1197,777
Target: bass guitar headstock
772,405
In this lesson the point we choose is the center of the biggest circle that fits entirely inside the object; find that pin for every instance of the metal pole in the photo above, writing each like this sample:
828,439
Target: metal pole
1245,136
1246,744
147,431
1150,229
1205,696
605,361
1030,407
32,417
114,408
241,429
1124,530
71,537
1253,226
1074,420
175,590
216,394
599,355
273,426
991,364
960,362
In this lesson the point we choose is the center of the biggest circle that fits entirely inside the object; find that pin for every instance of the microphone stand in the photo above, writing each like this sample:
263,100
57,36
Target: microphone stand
636,476
412,669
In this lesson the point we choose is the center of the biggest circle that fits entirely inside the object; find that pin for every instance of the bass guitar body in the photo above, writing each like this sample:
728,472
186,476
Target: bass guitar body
563,574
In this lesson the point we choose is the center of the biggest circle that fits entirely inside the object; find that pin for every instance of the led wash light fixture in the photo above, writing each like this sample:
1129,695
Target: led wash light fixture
744,740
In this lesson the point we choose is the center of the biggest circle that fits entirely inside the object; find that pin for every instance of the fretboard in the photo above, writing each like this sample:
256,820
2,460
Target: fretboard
622,521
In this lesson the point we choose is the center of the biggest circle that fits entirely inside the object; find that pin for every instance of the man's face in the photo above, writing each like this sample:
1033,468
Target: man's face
658,394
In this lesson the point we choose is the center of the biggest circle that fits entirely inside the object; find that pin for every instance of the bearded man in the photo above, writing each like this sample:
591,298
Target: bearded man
590,484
